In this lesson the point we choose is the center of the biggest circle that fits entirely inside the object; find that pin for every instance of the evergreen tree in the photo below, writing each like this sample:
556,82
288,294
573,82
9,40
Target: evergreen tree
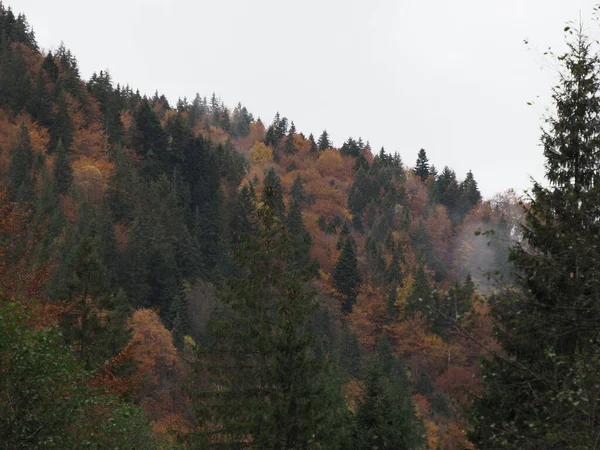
63,173
272,183
469,194
447,192
541,394
289,141
386,416
62,125
267,388
420,297
422,166
295,224
346,275
20,175
313,145
243,219
351,148
49,65
40,104
324,142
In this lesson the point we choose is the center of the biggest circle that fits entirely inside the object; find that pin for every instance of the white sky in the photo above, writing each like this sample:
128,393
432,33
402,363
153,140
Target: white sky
453,77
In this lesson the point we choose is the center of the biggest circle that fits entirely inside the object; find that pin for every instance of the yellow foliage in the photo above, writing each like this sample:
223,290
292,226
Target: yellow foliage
261,153
331,163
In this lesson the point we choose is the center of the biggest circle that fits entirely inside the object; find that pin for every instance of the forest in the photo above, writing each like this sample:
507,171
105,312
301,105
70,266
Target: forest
187,276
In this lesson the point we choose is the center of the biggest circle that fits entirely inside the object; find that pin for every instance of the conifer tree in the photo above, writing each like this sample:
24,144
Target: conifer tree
386,416
313,145
295,224
62,126
289,141
324,142
422,166
543,393
346,275
272,182
243,219
63,173
21,165
267,389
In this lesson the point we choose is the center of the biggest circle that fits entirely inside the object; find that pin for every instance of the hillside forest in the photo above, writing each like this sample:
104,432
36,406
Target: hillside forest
189,276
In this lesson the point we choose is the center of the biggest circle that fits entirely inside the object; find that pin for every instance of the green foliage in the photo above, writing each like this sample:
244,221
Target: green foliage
20,174
422,165
45,402
266,387
544,393
324,143
63,173
385,416
346,275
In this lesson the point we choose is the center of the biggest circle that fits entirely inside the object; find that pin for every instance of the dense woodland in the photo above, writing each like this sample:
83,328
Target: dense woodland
188,276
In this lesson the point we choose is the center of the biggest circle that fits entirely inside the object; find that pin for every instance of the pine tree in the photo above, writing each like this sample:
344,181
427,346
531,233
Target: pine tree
543,393
422,166
346,275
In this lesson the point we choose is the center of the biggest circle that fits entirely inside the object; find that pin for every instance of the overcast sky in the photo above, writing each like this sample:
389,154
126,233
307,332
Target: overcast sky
453,77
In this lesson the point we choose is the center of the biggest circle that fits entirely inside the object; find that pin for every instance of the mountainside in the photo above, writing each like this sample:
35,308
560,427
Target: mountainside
139,229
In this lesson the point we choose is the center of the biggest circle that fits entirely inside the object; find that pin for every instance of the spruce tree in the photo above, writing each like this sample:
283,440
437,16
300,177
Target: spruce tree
313,145
272,183
63,173
266,387
21,165
422,166
295,224
543,393
386,417
324,142
346,275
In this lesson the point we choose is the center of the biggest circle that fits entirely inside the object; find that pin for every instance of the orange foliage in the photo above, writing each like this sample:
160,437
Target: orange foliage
422,405
459,383
89,142
153,348
423,350
369,314
214,134
331,163
439,229
323,246
416,193
20,279
105,376
159,369
9,128
453,437
257,134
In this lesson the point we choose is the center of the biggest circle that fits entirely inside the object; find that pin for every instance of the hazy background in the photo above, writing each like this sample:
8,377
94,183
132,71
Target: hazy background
451,77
